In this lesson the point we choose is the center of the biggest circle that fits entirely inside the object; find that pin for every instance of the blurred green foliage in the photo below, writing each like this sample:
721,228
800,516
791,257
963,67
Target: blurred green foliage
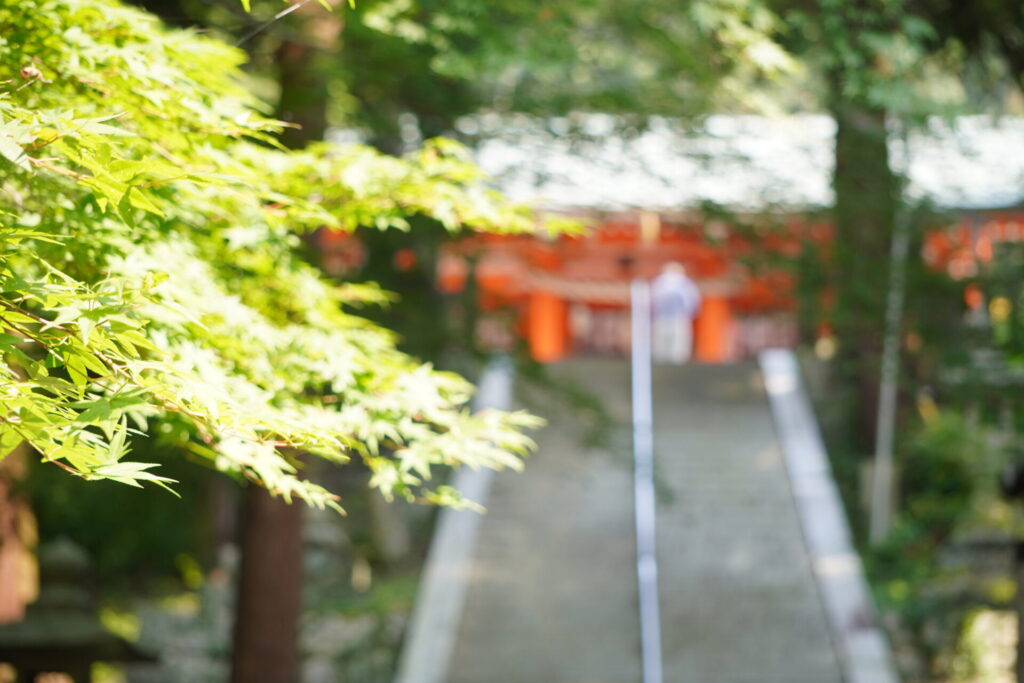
946,478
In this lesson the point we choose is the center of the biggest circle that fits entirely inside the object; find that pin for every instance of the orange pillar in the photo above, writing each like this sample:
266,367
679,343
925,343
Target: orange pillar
713,333
547,328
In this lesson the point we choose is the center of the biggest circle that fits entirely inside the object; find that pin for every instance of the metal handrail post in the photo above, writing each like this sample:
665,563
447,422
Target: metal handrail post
643,482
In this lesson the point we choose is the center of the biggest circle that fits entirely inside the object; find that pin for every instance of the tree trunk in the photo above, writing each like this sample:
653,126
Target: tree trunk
303,64
304,95
271,577
269,592
18,581
865,206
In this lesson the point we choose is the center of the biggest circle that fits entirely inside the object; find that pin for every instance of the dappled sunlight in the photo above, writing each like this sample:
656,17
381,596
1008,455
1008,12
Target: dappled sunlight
388,341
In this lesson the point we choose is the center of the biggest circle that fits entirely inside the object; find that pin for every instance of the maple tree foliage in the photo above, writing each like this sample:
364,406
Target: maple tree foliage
150,279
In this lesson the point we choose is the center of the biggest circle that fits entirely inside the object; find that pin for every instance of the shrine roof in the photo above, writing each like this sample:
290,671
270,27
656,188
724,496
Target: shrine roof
743,162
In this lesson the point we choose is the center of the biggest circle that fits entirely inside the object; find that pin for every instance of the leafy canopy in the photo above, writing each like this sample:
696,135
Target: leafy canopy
150,280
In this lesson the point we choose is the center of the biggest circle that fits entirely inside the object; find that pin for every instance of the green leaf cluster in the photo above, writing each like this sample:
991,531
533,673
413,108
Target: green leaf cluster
150,279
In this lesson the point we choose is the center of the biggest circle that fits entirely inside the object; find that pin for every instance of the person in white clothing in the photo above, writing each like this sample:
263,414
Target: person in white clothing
675,301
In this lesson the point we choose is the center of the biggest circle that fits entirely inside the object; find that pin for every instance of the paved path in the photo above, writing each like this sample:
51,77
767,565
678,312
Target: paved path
739,602
552,593
552,590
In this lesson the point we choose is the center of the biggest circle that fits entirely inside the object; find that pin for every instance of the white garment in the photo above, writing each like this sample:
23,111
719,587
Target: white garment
672,341
674,293
675,301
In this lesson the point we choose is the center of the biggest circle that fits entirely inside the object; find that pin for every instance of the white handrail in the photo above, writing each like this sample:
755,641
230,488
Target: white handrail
643,483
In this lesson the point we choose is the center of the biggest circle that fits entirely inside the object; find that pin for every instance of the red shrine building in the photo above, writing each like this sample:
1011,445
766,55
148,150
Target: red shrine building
570,294
638,193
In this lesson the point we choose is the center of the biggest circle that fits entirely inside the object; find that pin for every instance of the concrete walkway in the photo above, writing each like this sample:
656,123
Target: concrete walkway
551,594
739,602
